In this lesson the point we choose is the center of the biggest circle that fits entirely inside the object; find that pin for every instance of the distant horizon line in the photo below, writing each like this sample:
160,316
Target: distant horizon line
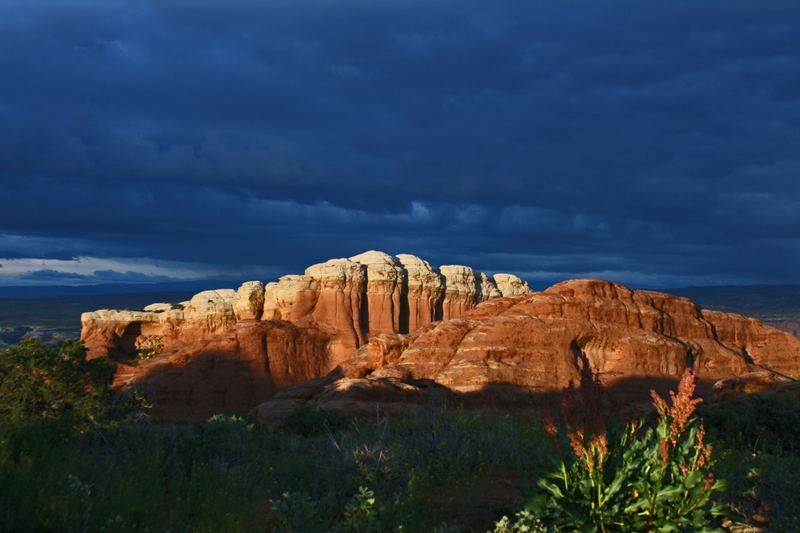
94,289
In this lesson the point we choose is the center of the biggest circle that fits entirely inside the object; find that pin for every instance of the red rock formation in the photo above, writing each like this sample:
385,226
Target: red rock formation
374,323
385,286
424,293
539,343
230,372
351,299
343,301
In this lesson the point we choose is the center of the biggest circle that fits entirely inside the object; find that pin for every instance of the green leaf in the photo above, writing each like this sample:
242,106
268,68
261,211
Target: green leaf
668,493
693,479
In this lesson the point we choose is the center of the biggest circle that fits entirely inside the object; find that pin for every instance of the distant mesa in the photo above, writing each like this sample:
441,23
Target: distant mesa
377,329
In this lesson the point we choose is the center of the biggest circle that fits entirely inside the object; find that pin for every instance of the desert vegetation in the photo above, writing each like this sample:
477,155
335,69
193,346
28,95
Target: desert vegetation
75,456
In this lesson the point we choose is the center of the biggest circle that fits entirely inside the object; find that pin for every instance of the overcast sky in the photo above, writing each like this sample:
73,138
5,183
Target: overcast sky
653,143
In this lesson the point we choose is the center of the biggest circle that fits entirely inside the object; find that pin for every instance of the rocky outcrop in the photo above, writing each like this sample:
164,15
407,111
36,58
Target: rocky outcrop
346,302
393,331
462,290
161,327
248,303
510,285
424,288
280,296
351,299
536,344
229,372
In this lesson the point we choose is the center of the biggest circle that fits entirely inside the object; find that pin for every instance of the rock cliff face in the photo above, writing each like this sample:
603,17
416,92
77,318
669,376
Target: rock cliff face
351,299
392,330
538,343
304,324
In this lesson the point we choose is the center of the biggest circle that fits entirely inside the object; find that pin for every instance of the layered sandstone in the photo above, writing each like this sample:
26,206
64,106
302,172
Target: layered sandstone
344,302
230,371
351,299
394,331
424,287
536,344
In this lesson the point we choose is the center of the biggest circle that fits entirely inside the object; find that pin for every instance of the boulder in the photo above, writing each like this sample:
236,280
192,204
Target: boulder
248,303
511,285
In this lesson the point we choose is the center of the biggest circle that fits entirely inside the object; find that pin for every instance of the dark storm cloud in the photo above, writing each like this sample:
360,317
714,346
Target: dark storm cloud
58,277
655,144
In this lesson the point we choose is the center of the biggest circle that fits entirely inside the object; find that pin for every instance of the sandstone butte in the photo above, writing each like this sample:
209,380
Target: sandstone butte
391,331
228,350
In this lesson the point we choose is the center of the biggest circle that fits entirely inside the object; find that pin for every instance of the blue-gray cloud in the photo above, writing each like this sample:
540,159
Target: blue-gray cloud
57,277
654,143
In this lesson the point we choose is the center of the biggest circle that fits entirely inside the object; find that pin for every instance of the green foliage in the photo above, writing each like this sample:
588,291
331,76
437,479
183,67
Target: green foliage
762,484
523,522
72,458
293,511
307,421
653,479
761,423
231,474
360,513
38,381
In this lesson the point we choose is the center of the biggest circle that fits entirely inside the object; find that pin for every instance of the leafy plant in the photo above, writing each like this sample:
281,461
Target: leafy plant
307,421
641,479
360,513
760,422
292,512
40,381
523,522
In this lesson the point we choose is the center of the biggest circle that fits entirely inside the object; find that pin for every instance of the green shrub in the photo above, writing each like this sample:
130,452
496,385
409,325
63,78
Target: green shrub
760,423
308,421
292,512
38,381
523,522
653,479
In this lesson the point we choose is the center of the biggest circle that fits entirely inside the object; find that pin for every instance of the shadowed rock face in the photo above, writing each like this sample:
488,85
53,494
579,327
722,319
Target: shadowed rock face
228,372
332,309
538,343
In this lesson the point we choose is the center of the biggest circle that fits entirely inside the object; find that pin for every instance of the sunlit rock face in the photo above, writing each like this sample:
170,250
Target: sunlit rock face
248,303
386,285
510,285
379,325
425,288
534,345
336,306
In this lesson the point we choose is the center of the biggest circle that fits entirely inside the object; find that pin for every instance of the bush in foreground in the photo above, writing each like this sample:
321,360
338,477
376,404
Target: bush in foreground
57,383
73,459
654,479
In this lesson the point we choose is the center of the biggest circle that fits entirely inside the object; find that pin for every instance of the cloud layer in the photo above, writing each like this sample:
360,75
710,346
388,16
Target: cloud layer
656,145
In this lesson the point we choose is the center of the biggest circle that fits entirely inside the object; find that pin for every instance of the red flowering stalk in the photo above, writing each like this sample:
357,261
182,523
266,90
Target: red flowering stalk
683,406
582,414
645,478
552,433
